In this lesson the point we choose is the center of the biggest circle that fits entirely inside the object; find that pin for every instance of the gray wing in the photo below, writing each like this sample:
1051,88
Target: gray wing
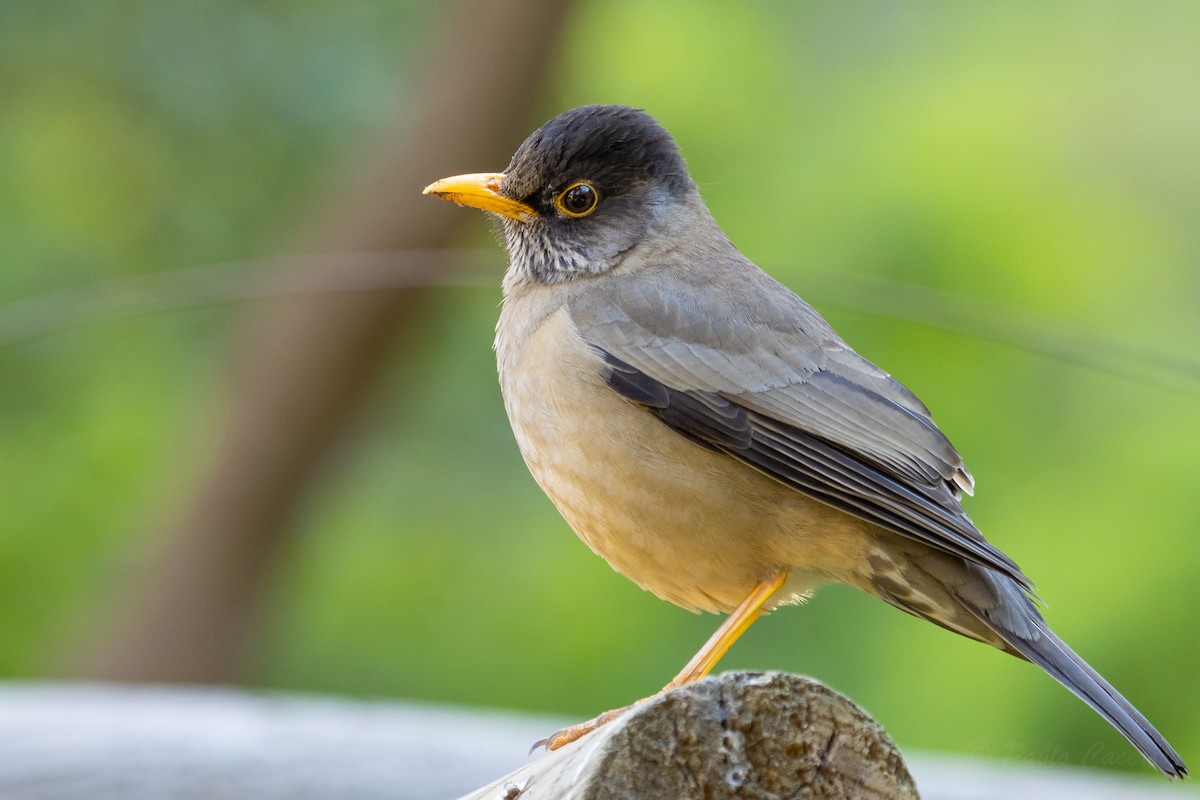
738,363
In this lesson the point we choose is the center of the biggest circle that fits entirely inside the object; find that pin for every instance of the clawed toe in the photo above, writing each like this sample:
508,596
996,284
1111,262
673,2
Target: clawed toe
564,737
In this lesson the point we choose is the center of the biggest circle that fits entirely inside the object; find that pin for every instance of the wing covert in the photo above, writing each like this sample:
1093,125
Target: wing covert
773,386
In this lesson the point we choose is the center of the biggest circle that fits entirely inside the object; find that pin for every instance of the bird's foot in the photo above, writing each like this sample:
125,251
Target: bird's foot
567,735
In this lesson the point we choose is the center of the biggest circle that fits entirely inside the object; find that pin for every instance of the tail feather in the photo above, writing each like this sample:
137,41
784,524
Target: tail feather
1053,655
985,605
1034,641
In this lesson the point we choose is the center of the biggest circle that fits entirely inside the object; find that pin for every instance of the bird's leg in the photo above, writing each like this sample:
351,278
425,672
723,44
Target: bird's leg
701,664
729,632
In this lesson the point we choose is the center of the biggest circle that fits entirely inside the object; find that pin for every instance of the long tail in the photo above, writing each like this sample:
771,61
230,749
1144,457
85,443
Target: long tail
1034,640
983,604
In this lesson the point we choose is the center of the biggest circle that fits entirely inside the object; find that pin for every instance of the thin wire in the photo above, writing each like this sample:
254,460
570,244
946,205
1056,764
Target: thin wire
1015,327
325,273
233,282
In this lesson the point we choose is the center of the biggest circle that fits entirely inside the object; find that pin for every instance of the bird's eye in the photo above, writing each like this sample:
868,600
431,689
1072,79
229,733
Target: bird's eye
578,200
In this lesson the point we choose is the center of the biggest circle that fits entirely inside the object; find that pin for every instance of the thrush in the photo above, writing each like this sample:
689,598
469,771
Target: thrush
708,433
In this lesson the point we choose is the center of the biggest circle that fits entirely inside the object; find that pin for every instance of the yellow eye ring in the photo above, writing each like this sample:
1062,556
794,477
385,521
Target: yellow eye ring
578,200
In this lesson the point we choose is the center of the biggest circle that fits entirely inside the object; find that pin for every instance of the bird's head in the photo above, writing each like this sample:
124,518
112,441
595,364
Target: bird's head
582,192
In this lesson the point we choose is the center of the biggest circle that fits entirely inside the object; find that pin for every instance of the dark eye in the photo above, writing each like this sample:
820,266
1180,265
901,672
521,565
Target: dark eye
578,200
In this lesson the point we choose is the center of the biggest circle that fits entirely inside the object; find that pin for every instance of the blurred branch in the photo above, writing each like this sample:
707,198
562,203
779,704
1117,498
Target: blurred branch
307,362
369,271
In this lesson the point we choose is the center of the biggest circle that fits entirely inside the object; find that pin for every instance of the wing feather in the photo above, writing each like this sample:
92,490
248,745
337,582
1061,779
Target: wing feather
755,373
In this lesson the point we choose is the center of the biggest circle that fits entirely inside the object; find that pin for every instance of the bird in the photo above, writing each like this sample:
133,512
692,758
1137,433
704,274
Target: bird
705,430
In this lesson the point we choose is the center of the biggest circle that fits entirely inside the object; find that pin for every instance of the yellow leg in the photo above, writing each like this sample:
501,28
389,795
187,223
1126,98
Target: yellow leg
730,631
701,664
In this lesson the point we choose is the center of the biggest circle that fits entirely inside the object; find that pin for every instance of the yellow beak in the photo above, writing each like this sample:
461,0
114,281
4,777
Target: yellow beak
480,190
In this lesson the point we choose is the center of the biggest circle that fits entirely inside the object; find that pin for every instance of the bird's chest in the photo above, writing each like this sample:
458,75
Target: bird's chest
660,509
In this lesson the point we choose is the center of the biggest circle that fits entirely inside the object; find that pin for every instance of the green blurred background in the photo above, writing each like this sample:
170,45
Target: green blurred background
1045,157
